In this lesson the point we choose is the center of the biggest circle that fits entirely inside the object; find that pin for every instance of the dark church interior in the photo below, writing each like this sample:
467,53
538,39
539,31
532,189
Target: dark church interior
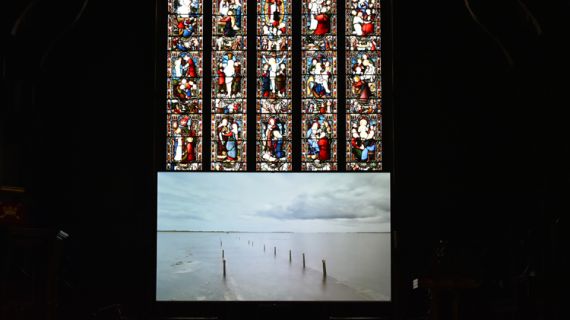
480,170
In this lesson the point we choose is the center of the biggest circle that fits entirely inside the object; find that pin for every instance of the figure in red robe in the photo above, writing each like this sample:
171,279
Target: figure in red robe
228,26
323,24
361,88
221,80
367,29
180,27
324,148
191,69
275,15
184,122
190,149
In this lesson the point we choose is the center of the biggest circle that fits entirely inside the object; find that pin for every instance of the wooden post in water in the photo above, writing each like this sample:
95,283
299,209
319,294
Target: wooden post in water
303,260
324,268
222,253
220,243
224,268
274,251
289,255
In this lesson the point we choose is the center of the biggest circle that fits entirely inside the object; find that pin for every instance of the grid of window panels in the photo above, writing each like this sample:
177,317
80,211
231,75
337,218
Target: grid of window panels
229,89
184,85
274,66
319,85
363,86
274,112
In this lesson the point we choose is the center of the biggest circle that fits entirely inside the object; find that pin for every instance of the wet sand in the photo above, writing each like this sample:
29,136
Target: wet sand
196,273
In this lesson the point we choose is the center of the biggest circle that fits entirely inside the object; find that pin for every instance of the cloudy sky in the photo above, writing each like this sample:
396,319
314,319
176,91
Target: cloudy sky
266,202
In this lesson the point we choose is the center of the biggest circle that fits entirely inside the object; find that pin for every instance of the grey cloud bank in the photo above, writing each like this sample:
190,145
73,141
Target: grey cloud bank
294,202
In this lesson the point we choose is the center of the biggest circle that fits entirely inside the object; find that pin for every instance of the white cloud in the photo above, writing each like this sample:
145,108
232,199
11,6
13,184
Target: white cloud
274,201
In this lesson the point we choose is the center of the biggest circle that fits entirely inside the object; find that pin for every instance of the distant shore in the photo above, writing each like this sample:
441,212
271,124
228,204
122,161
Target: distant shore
214,231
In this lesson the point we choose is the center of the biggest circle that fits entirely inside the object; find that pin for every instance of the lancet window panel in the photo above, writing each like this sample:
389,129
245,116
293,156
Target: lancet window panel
363,86
274,86
319,85
184,85
229,86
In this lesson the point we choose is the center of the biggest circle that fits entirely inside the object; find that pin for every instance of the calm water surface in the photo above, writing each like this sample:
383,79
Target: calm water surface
189,266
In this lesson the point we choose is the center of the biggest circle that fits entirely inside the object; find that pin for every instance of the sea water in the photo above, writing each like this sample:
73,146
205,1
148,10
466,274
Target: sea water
190,266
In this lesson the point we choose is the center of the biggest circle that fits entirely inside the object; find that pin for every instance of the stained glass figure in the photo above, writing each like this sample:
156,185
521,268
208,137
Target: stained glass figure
184,85
274,142
229,86
274,66
365,146
319,85
228,143
363,86
319,142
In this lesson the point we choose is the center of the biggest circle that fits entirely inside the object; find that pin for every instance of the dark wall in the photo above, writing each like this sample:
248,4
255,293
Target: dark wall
80,130
481,148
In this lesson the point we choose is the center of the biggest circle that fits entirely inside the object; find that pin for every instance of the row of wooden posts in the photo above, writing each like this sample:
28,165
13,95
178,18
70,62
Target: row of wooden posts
274,254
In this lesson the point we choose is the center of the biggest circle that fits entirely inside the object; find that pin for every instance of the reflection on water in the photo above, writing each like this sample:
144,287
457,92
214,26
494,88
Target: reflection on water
190,266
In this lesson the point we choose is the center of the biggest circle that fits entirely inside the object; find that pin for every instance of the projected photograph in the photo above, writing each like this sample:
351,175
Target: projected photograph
273,237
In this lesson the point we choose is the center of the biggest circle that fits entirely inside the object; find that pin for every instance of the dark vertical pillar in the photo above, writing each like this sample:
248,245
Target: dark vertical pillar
251,83
296,85
341,78
207,88
161,36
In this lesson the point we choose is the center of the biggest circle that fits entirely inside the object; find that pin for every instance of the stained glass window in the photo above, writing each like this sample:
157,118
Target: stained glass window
313,106
274,64
229,89
319,85
184,85
363,86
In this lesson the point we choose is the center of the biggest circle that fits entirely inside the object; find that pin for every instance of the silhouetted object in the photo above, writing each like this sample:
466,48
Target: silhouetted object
111,312
446,281
12,207
438,285
29,275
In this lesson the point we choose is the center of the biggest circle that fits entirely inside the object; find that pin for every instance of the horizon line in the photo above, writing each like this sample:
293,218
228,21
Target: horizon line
220,231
